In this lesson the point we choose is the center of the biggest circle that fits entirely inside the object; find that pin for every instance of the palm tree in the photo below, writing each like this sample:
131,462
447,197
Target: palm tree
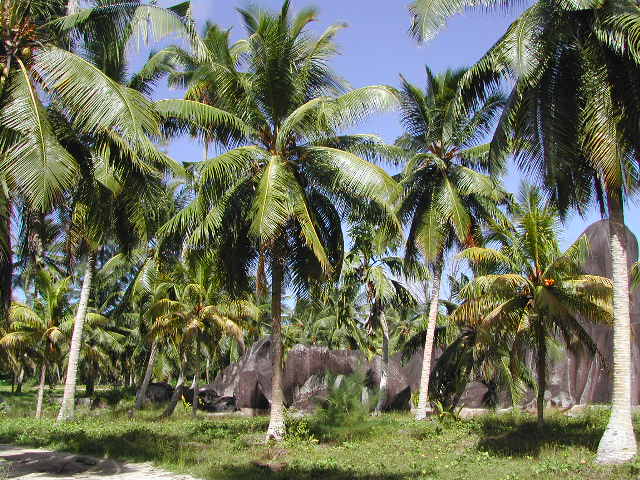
373,267
40,330
538,291
430,16
572,121
122,177
283,191
195,313
447,191
40,67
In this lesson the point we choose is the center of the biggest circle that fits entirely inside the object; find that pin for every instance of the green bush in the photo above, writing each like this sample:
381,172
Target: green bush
343,414
298,430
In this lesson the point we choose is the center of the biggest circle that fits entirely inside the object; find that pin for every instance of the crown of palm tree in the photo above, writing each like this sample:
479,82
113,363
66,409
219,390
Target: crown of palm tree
571,119
40,329
528,291
446,189
292,178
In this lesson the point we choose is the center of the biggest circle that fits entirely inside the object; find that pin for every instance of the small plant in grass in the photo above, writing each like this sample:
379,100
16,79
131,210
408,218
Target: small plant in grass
186,403
446,413
298,430
343,415
344,404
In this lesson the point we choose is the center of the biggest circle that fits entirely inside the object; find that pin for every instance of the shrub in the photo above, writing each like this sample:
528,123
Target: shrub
343,414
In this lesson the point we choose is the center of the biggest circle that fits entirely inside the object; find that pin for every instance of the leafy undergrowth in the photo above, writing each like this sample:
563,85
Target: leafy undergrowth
389,447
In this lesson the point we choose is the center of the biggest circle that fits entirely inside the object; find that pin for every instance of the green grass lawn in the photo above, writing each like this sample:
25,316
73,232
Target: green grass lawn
392,446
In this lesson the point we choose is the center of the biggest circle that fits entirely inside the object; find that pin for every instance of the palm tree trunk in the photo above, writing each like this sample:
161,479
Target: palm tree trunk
43,376
20,380
618,444
261,278
194,399
541,364
384,365
6,255
207,370
177,395
68,398
421,411
276,428
142,393
90,387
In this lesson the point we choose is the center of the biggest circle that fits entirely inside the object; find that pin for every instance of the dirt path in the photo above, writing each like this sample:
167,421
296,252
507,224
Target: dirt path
18,462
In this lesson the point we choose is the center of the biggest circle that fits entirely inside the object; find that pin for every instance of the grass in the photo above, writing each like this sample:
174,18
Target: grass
390,447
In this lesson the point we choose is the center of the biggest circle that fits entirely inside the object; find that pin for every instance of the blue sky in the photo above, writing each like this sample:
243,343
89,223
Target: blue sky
375,49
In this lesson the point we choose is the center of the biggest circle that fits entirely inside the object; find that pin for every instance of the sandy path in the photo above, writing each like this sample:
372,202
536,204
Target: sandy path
18,462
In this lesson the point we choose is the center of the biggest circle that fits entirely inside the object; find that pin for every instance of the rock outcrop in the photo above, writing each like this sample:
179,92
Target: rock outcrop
159,392
574,378
579,377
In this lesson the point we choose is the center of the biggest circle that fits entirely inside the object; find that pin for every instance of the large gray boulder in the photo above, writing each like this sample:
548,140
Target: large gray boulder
574,377
249,379
579,377
159,392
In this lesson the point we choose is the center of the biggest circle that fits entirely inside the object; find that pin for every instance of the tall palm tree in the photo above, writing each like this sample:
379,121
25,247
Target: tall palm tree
572,121
447,189
283,192
538,291
122,177
40,68
40,329
373,267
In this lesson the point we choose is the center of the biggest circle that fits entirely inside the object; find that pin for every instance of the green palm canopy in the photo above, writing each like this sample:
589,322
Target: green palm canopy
284,189
449,186
534,292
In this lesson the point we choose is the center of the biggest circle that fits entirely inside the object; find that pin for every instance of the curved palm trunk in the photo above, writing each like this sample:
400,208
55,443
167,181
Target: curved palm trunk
43,376
68,398
618,444
541,366
421,411
276,428
177,395
142,392
384,365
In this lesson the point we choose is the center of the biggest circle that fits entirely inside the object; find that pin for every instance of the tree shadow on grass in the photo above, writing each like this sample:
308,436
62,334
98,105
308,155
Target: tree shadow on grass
136,444
253,472
509,438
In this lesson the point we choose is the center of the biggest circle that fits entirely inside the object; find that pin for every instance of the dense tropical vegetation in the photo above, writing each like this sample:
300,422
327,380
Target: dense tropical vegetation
121,266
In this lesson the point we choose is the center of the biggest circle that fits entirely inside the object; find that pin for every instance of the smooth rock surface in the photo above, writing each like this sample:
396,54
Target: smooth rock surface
575,377
159,392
